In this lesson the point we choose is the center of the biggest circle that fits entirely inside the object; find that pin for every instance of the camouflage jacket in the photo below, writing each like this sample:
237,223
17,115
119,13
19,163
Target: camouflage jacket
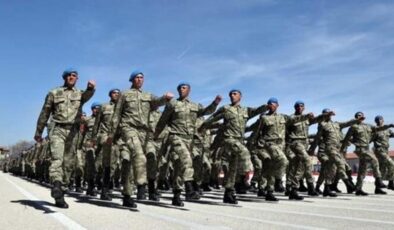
361,134
103,119
330,132
300,130
381,138
64,105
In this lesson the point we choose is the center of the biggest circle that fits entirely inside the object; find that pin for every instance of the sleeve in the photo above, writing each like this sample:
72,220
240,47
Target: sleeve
164,118
218,115
87,94
345,124
346,140
255,111
207,110
158,101
318,119
45,114
116,116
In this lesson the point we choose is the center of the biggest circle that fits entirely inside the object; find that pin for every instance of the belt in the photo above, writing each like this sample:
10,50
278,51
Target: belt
65,126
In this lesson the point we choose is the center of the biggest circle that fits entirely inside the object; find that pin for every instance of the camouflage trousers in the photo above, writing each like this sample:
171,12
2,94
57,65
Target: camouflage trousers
386,164
133,155
180,154
366,157
107,154
62,149
257,161
239,160
301,165
275,162
90,161
152,156
79,169
324,159
336,165
201,164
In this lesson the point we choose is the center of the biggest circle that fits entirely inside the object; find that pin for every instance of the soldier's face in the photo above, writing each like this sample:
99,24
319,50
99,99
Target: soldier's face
184,91
299,109
71,79
138,81
380,122
95,111
115,96
273,107
235,97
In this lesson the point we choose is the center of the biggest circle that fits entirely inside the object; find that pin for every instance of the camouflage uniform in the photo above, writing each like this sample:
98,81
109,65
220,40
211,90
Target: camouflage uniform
233,132
361,135
381,149
131,116
65,106
92,163
181,116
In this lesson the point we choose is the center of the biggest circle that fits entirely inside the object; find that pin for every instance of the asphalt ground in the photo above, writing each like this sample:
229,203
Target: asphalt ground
26,204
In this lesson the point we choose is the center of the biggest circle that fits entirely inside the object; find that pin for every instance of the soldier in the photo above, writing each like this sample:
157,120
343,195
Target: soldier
181,116
329,133
361,135
298,143
106,151
381,149
65,105
270,145
235,117
131,116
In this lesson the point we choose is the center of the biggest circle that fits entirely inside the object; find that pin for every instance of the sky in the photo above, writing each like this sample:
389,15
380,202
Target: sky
330,54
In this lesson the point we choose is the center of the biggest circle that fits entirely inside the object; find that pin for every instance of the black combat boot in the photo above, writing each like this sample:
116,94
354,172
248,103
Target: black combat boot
205,187
60,202
141,192
327,191
129,202
240,188
229,197
350,178
270,196
391,185
311,190
334,186
261,192
190,193
197,188
153,195
176,200
379,191
317,188
349,186
90,191
106,180
379,183
78,185
360,192
287,189
163,185
279,186
302,187
294,195
57,191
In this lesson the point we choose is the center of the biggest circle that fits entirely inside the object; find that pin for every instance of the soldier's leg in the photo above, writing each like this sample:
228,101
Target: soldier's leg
371,158
197,158
206,173
362,170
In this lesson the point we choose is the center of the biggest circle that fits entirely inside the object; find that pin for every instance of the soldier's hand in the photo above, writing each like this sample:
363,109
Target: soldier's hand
218,99
38,139
331,113
168,96
311,115
91,84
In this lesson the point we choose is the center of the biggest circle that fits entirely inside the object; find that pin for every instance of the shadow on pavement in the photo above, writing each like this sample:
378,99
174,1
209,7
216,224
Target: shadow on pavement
38,205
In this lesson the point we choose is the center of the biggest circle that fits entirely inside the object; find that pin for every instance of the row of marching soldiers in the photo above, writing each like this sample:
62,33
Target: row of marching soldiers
130,140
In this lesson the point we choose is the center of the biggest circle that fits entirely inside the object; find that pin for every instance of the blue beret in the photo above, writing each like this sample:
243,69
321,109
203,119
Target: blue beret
113,90
182,84
234,90
378,117
68,72
297,103
95,105
273,100
326,110
358,114
134,74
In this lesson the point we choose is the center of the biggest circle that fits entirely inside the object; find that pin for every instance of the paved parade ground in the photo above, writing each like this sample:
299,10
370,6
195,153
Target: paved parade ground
28,205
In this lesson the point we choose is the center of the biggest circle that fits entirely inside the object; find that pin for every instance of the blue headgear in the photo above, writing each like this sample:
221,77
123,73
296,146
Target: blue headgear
358,113
378,117
182,84
326,110
273,100
95,105
113,90
297,103
234,90
134,74
68,72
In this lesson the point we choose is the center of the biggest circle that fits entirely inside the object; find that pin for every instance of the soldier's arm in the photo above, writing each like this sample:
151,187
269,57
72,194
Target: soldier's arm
87,94
345,124
253,126
158,101
319,118
218,115
164,118
44,115
297,118
391,133
380,128
347,139
255,111
316,140
116,116
207,110
97,123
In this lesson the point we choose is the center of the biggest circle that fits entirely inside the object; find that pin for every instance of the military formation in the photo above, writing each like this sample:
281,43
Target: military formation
128,144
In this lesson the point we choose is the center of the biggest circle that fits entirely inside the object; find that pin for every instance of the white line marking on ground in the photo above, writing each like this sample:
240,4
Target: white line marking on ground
281,223
322,215
60,217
